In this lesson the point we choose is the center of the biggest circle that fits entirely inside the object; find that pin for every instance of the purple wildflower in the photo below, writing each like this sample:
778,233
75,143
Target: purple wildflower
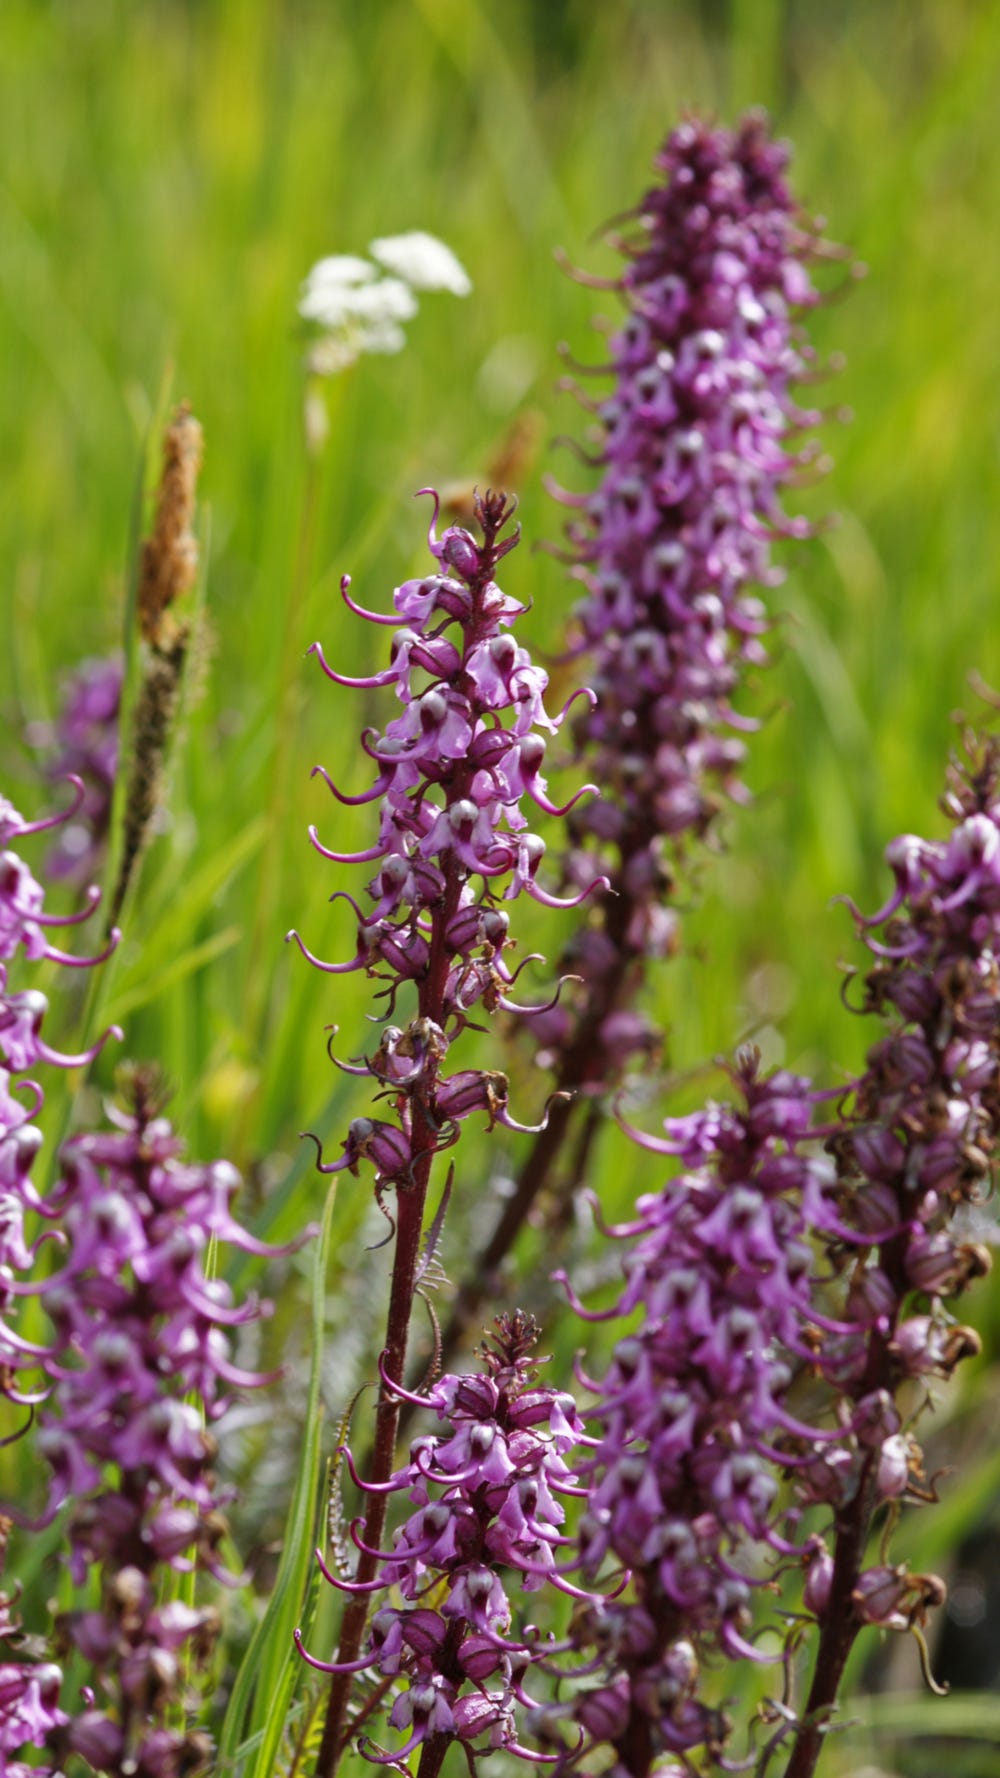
29,1692
683,1476
915,1157
486,1492
26,930
85,736
455,771
139,1333
705,1458
697,450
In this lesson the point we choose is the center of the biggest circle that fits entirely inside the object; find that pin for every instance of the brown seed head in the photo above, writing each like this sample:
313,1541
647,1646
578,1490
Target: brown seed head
170,554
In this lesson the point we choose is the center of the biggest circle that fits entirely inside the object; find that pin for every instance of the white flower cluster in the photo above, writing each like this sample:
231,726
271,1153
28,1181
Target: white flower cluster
361,304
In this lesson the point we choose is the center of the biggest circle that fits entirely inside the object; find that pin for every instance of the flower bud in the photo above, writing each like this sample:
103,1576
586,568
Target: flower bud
878,1594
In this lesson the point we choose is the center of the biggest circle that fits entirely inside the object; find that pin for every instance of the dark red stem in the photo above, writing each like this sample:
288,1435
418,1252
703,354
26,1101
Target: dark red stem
432,1755
852,1529
840,1625
410,1201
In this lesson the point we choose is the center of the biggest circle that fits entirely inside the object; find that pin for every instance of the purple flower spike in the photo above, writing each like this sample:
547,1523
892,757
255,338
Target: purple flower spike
699,445
682,1476
139,1334
455,769
917,1144
84,745
25,925
132,1305
766,1266
486,1495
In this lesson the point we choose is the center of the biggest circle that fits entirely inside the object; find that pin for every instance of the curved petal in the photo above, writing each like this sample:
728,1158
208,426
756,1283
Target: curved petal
321,1165
330,1666
372,617
544,802
401,1479
55,956
369,682
572,901
378,789
317,962
348,1586
365,857
511,1123
391,1759
79,792
545,1006
575,1304
418,1401
432,543
93,897
59,1060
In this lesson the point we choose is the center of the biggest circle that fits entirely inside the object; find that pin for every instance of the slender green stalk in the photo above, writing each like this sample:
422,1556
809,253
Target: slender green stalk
266,1678
263,923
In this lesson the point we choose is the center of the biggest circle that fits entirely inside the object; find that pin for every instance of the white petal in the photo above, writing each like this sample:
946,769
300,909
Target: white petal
423,260
330,285
325,306
380,336
388,300
341,268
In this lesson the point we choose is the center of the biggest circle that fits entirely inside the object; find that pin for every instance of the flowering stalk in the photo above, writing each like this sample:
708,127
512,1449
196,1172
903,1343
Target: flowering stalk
30,1712
486,1491
139,1336
452,773
697,448
917,1148
753,1368
682,1483
85,737
26,933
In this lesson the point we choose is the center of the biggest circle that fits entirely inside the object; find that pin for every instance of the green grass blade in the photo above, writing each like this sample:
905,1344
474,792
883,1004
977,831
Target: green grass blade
153,986
266,1679
169,930
970,1715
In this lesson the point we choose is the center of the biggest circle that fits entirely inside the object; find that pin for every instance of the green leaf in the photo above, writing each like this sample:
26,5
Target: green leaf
971,1715
152,986
167,933
265,1683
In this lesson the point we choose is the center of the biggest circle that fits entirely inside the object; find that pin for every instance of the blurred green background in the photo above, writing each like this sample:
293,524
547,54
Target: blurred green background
170,173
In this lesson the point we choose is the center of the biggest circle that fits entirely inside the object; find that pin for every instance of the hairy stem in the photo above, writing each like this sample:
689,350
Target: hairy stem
410,1201
840,1625
410,1209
